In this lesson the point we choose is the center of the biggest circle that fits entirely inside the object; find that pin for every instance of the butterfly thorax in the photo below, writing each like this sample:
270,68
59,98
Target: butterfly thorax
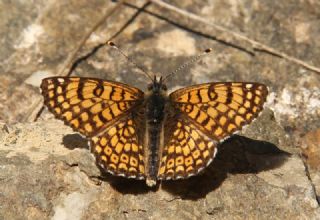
156,100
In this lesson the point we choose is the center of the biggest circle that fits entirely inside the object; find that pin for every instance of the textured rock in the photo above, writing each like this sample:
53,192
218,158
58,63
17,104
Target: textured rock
311,148
311,152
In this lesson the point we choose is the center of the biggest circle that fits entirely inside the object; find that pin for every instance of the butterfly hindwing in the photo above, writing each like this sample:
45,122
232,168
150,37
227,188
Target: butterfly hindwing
118,149
187,150
88,105
206,114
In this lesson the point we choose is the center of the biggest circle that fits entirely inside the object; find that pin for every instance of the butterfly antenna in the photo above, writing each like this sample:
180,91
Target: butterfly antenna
188,63
113,45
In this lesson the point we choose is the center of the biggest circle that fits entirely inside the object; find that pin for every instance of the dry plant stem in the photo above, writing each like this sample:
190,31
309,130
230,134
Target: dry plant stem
257,46
37,108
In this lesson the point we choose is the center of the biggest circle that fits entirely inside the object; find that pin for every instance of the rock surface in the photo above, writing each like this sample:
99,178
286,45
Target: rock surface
47,170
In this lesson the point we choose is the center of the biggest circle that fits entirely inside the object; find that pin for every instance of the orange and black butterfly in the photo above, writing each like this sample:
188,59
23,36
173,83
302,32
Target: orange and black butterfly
152,135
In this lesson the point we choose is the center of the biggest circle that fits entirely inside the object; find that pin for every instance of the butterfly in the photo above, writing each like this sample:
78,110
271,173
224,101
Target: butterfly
154,135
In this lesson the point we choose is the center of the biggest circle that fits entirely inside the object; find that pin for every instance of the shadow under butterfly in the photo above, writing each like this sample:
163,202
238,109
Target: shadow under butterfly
237,155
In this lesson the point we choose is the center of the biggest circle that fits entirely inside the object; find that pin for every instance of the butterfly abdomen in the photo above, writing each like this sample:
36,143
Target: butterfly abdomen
155,105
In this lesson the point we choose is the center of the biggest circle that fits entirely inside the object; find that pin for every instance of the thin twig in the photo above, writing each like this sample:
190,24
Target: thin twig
257,46
249,51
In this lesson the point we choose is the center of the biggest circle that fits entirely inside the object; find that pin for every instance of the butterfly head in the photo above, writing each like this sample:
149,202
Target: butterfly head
157,86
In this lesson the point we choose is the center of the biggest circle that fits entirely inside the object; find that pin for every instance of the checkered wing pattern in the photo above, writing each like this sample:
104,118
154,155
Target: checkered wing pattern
118,149
102,111
207,115
187,149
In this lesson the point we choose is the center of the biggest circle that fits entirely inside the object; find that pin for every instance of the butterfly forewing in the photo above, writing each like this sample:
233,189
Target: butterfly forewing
208,113
88,105
220,109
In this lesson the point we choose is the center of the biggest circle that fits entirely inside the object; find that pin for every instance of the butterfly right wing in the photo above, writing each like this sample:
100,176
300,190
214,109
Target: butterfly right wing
205,115
187,150
88,105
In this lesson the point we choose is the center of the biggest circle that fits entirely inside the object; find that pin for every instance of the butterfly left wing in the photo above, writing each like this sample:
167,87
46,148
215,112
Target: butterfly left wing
206,114
103,111
118,149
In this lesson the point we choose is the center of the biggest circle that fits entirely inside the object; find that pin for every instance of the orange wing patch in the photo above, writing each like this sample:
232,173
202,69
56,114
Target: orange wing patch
88,105
118,151
220,109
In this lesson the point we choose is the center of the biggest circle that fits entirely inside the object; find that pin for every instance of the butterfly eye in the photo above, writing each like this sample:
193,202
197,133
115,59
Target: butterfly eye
150,86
